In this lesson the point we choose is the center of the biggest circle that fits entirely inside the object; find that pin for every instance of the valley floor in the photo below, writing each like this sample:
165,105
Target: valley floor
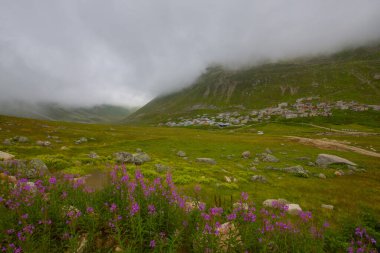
353,192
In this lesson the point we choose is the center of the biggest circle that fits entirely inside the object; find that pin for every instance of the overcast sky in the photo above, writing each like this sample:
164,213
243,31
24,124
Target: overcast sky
86,52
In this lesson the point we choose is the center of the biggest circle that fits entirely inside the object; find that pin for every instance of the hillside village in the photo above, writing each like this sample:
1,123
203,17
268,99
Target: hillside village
303,107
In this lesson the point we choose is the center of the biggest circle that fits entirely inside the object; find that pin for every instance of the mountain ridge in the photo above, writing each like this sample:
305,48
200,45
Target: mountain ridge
350,75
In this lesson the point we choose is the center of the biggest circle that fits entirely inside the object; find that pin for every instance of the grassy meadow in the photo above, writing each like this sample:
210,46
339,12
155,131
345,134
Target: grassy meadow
355,197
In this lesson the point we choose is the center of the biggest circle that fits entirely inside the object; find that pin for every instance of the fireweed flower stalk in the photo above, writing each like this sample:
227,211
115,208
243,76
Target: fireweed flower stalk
139,212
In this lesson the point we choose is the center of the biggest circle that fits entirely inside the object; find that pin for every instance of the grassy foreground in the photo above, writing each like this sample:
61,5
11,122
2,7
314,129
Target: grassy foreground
355,197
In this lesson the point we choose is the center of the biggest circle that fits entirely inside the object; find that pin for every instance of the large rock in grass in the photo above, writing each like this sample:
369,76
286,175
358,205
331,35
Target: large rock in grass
123,157
5,156
21,139
293,209
246,154
181,153
138,158
36,168
206,160
259,178
270,158
324,160
298,170
275,202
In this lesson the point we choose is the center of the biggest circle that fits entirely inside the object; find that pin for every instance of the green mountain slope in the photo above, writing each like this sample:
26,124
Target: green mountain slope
49,111
348,75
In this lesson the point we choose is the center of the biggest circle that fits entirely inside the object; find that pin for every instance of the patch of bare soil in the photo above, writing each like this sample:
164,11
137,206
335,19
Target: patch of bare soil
334,145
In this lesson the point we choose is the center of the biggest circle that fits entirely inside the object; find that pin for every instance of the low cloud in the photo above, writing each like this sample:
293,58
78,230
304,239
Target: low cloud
127,52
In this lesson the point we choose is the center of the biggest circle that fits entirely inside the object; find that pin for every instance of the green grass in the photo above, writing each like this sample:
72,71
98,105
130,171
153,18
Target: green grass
351,195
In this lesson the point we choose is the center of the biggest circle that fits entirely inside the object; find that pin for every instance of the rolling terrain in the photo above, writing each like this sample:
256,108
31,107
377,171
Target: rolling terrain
351,75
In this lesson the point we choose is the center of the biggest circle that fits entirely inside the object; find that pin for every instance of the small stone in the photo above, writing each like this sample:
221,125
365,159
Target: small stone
118,249
181,153
329,207
241,206
7,142
322,176
93,155
339,173
268,151
5,156
270,158
259,178
228,179
206,160
293,209
246,154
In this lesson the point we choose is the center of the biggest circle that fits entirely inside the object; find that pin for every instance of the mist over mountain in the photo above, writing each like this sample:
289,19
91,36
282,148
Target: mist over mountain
85,53
56,112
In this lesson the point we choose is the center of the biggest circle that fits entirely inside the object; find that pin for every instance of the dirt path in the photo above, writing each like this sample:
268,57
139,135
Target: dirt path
342,131
329,144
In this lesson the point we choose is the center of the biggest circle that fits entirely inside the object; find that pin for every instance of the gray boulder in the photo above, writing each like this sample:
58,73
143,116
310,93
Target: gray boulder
123,157
270,158
93,155
5,156
36,168
7,142
298,170
275,202
246,154
259,178
43,143
181,153
161,168
324,160
322,176
329,207
21,139
206,160
81,140
141,157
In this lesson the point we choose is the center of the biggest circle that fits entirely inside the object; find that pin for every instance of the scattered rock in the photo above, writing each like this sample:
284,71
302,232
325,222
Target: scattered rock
228,179
7,142
140,158
181,153
339,173
270,158
293,209
81,140
93,155
20,139
123,157
376,76
36,168
322,176
161,168
118,249
138,150
240,206
191,205
246,154
275,202
259,178
324,160
329,207
82,244
268,151
298,170
206,160
311,164
64,148
253,168
43,143
5,156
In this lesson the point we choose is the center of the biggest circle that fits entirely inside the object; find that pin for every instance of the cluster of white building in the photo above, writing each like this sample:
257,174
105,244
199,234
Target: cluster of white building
303,107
